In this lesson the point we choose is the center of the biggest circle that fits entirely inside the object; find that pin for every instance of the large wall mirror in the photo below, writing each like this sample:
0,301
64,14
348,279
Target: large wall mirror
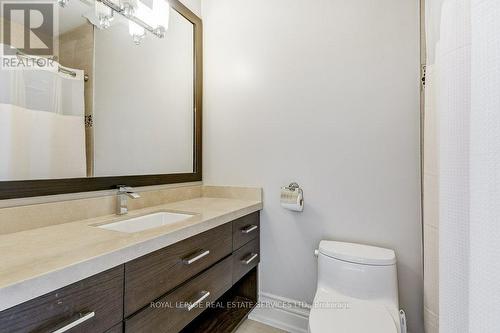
117,102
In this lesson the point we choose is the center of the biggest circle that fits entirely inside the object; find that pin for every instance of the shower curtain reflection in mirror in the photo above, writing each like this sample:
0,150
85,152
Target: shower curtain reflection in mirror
42,130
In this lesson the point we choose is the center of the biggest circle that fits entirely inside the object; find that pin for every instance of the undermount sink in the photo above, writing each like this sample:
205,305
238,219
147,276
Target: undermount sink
146,222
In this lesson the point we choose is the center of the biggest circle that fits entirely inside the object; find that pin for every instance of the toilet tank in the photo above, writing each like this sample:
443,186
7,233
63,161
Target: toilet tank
358,271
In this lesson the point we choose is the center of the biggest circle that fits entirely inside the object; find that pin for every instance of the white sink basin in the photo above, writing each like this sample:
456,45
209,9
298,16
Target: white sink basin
146,222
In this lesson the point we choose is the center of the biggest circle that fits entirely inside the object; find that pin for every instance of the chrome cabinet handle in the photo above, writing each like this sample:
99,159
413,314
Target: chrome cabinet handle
251,257
195,257
83,317
248,229
204,295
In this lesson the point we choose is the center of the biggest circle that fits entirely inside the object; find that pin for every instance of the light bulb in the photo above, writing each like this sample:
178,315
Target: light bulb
145,14
161,9
129,7
104,14
105,22
136,31
62,3
160,31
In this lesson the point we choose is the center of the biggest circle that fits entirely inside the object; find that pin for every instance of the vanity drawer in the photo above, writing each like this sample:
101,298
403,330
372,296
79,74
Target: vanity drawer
150,277
96,303
245,229
245,259
172,312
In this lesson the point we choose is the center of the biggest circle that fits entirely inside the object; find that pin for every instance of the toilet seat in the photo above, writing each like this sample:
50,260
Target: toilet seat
346,315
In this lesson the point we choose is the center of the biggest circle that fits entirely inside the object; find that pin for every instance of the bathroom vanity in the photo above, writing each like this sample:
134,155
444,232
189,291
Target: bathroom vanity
76,263
167,290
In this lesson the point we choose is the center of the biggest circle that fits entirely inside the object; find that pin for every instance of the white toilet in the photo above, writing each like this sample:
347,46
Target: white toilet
357,290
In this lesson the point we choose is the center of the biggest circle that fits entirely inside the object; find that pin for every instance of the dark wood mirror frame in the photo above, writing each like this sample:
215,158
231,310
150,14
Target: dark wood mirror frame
32,188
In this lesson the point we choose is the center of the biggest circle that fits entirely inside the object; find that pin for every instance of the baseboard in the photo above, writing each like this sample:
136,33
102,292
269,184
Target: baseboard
283,313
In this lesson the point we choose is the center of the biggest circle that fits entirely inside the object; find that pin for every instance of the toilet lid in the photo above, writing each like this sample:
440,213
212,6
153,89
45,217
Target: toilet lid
351,317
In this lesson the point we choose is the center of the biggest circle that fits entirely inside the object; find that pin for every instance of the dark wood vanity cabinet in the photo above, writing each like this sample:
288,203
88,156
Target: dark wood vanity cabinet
189,286
96,303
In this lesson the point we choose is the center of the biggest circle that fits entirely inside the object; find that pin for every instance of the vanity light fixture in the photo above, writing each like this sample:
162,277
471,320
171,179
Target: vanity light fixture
138,13
103,14
137,32
161,10
141,18
62,3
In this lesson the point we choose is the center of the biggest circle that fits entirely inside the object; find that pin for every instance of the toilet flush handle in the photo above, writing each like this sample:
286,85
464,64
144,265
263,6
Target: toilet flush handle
316,252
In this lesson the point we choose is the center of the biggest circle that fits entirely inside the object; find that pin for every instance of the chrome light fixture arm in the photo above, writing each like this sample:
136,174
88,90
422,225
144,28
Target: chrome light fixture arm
128,12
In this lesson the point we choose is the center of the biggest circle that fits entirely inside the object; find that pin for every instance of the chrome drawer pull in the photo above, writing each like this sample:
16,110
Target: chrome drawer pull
204,295
248,229
83,318
251,257
195,257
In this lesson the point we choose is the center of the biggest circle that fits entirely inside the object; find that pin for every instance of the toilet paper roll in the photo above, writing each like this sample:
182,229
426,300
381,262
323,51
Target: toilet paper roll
292,199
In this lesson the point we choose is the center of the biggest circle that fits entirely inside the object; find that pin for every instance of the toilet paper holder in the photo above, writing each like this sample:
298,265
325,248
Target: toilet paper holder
293,186
292,197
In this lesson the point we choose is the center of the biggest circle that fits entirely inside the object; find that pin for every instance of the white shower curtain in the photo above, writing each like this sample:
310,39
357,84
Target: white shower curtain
468,60
42,130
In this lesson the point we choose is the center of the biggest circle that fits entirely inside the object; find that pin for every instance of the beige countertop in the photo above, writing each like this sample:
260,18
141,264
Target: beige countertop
35,262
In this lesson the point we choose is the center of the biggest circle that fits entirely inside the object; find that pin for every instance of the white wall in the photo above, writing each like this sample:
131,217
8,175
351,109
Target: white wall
324,93
193,5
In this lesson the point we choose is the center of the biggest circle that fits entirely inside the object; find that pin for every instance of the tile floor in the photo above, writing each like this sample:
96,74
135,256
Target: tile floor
250,326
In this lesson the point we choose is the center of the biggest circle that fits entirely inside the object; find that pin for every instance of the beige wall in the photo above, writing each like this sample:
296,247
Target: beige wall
431,207
25,214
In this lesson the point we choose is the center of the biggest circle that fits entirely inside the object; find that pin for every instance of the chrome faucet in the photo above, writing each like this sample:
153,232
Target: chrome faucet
124,192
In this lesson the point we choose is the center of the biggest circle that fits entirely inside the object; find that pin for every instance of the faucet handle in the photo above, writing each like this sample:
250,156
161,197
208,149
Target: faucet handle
124,191
133,195
128,191
124,188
